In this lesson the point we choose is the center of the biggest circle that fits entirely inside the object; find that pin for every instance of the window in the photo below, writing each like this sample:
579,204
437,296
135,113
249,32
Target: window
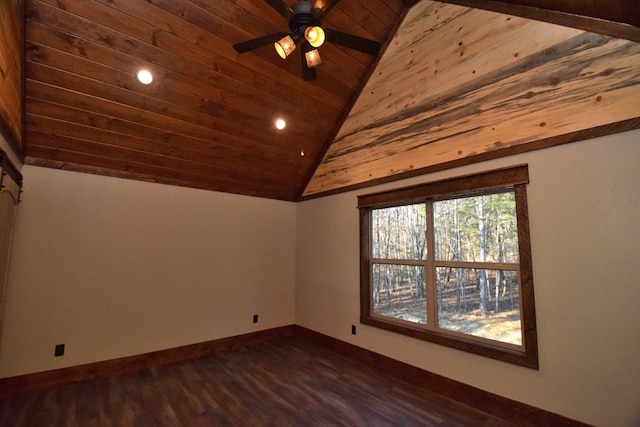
450,262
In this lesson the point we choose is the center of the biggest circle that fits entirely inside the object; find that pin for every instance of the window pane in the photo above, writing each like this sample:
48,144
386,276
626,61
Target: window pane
477,229
398,292
399,232
482,303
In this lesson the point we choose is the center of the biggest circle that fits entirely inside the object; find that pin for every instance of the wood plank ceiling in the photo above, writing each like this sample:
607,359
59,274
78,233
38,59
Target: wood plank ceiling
478,92
207,119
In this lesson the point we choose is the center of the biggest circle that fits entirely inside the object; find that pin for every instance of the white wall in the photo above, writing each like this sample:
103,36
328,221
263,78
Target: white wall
584,206
113,267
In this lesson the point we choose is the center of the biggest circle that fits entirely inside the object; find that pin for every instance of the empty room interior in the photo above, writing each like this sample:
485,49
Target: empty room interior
442,192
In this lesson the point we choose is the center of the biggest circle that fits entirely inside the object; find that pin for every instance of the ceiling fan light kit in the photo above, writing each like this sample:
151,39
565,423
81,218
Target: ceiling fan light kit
312,58
285,46
315,36
305,25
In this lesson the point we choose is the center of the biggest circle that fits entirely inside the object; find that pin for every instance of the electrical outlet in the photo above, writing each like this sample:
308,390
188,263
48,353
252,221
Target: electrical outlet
59,351
255,318
353,329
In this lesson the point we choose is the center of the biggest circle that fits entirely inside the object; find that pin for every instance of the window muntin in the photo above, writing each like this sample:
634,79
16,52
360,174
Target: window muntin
449,262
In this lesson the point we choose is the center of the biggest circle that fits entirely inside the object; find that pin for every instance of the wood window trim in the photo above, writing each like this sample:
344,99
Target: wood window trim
515,177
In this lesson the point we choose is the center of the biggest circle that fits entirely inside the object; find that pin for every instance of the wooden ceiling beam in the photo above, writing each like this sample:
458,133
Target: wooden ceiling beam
617,18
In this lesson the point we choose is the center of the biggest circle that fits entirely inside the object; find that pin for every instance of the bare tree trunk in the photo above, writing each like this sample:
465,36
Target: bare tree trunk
500,259
461,298
498,281
482,280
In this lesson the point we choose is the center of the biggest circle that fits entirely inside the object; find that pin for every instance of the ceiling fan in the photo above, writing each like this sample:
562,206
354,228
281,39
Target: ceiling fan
305,28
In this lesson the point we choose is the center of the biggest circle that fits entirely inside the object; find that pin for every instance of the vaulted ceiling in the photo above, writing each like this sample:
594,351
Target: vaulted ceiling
439,93
207,120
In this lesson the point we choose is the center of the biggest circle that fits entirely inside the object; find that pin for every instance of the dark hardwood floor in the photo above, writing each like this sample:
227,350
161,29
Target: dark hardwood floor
287,382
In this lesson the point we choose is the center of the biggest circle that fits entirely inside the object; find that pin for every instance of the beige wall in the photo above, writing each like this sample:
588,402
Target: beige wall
114,267
584,206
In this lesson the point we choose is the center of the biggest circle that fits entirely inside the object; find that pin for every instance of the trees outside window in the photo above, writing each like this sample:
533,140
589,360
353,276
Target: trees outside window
449,262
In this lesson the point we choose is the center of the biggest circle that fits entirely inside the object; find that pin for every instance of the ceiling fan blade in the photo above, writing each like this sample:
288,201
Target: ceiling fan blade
308,73
259,42
351,41
281,7
322,7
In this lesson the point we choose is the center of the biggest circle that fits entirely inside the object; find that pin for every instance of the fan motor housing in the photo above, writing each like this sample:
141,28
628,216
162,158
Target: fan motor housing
302,16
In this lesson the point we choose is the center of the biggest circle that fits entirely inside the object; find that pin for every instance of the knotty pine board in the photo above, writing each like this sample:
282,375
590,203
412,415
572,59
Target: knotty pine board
456,82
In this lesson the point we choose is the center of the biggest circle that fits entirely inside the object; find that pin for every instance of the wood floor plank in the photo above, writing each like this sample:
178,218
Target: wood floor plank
287,382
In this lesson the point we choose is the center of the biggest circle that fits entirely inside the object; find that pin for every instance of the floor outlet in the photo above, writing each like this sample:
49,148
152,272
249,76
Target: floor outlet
255,318
353,329
59,350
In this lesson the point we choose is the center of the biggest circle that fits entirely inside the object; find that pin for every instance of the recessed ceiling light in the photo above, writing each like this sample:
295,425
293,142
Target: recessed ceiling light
145,77
280,124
